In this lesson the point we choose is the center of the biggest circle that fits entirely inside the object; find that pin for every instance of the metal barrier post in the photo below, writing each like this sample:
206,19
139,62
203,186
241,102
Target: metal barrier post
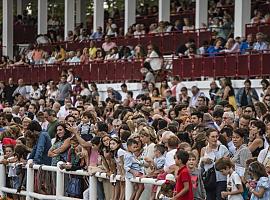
129,189
2,177
93,186
59,181
29,180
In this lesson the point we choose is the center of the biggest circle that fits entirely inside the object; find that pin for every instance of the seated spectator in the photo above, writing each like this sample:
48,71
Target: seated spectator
38,55
100,55
177,25
147,73
138,31
76,58
231,46
187,26
83,35
202,50
4,62
129,33
153,28
113,55
108,44
260,44
139,52
161,27
125,53
92,50
246,44
97,35
84,59
180,51
213,50
70,36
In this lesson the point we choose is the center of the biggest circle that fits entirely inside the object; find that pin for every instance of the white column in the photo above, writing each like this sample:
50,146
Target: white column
69,16
19,7
78,11
98,14
242,14
130,13
42,16
8,28
164,10
201,13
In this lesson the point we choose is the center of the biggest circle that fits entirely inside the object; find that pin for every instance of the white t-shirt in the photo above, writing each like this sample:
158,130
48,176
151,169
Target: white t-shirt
233,180
169,159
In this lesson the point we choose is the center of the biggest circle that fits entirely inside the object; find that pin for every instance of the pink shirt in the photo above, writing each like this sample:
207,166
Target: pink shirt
107,46
93,157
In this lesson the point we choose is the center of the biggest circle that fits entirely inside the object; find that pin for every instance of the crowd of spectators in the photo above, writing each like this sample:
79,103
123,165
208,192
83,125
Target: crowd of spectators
220,24
161,133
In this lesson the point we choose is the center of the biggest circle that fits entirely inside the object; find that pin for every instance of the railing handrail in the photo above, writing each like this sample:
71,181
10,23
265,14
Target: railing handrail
29,193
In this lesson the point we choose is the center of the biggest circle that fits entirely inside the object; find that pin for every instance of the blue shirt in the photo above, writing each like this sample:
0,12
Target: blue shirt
40,151
263,182
130,162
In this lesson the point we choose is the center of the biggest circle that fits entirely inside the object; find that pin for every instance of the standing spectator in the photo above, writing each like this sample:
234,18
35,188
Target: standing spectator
9,90
35,93
64,90
177,87
41,144
246,95
196,94
50,116
209,154
21,89
183,187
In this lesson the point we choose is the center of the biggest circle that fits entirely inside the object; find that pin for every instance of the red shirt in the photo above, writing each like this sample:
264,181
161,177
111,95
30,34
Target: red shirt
184,176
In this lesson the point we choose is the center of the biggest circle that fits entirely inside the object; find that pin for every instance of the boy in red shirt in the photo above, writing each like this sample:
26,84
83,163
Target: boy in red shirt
183,187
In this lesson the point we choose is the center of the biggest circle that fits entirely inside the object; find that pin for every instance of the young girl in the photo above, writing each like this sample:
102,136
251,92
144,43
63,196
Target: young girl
133,168
234,183
118,155
10,159
262,189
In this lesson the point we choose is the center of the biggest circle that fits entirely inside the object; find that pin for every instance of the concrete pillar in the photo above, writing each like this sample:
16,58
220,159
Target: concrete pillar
130,13
69,16
8,28
242,14
42,16
19,7
164,10
98,14
201,13
80,11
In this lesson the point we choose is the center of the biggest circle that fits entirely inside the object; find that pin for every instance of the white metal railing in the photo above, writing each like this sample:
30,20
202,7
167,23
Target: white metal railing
60,185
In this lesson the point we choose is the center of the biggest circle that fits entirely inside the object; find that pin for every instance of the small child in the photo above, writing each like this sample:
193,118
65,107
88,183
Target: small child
156,165
86,127
167,188
133,168
183,187
196,178
234,183
262,190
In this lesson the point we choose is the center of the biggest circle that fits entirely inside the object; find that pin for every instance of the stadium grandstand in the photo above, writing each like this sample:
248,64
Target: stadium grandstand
135,99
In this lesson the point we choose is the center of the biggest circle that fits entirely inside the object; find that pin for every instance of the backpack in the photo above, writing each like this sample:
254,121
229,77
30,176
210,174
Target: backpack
74,188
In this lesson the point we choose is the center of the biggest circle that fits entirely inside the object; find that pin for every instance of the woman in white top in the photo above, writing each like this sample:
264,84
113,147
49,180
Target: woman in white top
209,154
85,89
154,57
